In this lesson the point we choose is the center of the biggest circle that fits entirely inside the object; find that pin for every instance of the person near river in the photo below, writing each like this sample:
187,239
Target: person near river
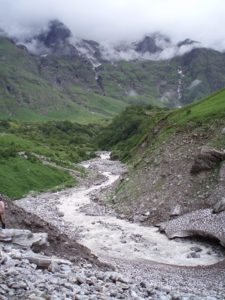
2,212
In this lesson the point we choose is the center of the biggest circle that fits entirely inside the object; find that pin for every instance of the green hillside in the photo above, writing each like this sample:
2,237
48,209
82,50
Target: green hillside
138,124
42,156
157,82
34,89
60,87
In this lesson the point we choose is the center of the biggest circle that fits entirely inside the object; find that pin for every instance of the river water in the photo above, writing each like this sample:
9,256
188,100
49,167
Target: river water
110,237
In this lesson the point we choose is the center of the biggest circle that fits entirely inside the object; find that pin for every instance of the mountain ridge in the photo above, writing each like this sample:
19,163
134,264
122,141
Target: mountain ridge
65,81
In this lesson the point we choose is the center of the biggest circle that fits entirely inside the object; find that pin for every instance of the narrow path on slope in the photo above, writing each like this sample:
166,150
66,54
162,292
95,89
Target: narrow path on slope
110,237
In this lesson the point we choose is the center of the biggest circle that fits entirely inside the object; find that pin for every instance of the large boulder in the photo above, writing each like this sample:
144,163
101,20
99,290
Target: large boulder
199,223
207,160
175,211
24,238
219,206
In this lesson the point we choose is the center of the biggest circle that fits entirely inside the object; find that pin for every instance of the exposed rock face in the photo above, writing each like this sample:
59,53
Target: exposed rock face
219,206
208,159
56,33
56,40
199,223
147,45
163,179
186,42
176,211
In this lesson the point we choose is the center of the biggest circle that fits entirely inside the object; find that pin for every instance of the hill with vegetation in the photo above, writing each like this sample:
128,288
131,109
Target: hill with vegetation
37,157
39,89
175,158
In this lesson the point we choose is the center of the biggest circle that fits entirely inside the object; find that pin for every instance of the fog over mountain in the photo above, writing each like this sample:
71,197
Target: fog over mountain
119,20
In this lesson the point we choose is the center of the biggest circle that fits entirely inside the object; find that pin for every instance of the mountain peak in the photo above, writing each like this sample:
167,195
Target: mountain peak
186,42
56,33
147,45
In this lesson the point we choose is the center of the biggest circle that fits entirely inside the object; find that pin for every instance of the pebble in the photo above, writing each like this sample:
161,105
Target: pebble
83,282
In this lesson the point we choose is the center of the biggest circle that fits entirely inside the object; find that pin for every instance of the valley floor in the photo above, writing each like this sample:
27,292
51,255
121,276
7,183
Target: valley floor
142,254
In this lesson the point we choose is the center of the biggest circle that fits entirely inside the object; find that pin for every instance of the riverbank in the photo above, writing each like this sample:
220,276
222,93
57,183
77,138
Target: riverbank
135,250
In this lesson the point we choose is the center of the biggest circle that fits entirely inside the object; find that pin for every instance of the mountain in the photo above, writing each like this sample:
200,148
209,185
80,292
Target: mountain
147,45
54,75
45,87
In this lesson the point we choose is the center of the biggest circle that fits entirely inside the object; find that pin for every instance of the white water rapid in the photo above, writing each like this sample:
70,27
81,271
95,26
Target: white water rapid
110,237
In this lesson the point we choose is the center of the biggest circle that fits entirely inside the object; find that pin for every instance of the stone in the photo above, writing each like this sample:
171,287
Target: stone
196,249
24,238
140,218
219,206
207,160
198,223
193,255
176,211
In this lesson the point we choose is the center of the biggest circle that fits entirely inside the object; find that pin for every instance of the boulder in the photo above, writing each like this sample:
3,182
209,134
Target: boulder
44,261
24,238
198,223
207,160
219,206
176,211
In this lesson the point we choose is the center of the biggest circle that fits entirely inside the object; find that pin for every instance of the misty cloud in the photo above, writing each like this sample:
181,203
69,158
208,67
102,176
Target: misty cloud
116,20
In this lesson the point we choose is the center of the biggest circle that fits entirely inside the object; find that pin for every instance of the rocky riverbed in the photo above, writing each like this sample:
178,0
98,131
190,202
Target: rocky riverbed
140,253
27,275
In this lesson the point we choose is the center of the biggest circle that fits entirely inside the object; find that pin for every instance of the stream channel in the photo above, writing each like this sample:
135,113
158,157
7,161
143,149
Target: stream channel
108,236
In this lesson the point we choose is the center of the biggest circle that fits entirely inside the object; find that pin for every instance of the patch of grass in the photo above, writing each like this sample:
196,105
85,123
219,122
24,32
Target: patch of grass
19,176
203,111
23,147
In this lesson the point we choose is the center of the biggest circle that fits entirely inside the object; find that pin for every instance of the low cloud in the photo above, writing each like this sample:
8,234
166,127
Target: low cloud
116,20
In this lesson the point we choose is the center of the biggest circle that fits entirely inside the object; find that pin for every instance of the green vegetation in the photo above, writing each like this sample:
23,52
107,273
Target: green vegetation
51,88
209,109
36,156
39,89
18,176
129,129
139,125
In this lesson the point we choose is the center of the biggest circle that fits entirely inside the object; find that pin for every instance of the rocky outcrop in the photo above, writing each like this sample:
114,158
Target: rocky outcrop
56,33
219,206
199,223
187,42
147,45
176,211
207,160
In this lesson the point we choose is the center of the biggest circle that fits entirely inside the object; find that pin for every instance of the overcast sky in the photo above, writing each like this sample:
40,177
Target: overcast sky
116,20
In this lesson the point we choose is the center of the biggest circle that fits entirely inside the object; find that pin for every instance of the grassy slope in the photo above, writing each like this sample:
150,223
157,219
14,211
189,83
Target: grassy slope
26,94
24,146
19,176
147,79
157,81
136,124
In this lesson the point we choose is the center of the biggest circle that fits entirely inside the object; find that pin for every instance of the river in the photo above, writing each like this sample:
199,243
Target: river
111,237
